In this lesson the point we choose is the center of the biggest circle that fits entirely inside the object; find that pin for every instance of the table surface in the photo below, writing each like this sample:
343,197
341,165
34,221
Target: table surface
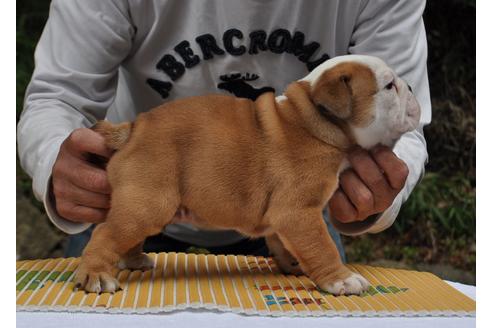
211,319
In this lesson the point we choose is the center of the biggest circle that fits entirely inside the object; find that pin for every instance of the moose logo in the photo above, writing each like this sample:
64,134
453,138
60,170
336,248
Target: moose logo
236,84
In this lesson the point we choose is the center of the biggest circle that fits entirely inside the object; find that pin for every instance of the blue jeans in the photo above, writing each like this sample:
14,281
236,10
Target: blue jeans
77,242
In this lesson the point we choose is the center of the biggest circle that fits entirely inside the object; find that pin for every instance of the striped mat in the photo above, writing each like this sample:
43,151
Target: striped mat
241,284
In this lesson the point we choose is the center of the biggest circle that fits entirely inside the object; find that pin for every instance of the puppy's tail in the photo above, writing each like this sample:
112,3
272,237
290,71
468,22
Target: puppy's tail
116,135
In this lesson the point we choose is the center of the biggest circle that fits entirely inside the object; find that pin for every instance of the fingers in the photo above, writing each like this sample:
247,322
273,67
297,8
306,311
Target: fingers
341,208
73,194
89,177
372,178
395,170
83,141
369,186
368,170
357,193
74,171
81,189
79,213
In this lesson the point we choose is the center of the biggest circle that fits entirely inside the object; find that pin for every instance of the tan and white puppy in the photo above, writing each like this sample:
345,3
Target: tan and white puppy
263,168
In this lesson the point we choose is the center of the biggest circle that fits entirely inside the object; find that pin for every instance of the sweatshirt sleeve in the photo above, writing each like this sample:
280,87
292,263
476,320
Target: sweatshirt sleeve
73,85
394,31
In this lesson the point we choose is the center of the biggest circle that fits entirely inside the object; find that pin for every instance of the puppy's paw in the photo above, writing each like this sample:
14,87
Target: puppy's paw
283,258
136,262
288,264
95,282
354,284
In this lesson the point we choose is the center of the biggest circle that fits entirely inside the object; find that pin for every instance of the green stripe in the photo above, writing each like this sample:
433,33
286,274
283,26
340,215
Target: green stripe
42,275
65,276
19,274
382,289
35,284
53,275
394,289
26,279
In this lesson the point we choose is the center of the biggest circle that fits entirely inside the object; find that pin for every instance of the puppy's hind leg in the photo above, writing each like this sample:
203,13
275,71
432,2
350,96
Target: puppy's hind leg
133,216
285,261
135,259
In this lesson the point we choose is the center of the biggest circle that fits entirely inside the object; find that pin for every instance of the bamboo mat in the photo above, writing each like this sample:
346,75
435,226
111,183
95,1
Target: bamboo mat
241,284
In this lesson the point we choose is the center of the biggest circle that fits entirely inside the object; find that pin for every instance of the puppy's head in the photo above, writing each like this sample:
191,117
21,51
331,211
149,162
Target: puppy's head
364,92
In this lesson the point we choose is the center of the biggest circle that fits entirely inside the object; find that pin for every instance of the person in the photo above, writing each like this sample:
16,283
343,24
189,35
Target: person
114,59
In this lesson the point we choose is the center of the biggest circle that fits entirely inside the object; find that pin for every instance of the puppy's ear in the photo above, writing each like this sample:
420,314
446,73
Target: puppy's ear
333,91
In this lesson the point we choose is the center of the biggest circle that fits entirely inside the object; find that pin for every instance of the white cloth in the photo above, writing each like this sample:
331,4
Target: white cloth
207,319
114,59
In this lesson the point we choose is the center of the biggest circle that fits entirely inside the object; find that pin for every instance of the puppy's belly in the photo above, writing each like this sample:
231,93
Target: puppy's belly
248,228
191,218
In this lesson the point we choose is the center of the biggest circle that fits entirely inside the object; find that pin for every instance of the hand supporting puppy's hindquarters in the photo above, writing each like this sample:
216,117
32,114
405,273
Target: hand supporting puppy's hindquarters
81,189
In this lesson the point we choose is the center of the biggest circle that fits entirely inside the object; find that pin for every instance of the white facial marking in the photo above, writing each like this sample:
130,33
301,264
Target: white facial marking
396,110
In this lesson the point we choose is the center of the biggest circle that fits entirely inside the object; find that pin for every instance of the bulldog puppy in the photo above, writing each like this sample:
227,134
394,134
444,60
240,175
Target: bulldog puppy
263,168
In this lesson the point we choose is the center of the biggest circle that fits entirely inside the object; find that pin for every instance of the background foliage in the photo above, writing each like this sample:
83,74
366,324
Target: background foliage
436,227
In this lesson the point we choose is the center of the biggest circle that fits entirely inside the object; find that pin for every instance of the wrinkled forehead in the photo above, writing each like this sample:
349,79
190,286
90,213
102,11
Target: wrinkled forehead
376,65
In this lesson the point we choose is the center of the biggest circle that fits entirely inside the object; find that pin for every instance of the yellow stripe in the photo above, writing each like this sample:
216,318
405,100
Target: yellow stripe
388,302
288,288
203,280
117,299
238,282
416,290
133,283
276,287
90,299
241,264
62,287
449,292
59,266
169,282
214,277
145,286
191,276
227,282
157,287
446,301
262,284
25,295
180,279
251,284
308,290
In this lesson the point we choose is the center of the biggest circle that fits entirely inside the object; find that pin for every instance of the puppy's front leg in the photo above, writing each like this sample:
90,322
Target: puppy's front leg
306,237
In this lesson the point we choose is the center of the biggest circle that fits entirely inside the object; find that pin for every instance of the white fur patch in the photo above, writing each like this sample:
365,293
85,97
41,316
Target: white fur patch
396,110
355,284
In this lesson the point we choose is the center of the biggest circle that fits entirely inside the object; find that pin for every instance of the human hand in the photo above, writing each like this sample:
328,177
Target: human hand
369,186
81,188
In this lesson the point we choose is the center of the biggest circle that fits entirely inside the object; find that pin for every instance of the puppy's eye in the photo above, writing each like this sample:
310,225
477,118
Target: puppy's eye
390,85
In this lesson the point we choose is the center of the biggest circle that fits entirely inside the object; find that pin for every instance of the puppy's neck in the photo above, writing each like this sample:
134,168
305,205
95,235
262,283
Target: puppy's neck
297,108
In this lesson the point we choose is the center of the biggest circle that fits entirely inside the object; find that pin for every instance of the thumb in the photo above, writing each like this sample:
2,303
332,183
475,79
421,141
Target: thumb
85,140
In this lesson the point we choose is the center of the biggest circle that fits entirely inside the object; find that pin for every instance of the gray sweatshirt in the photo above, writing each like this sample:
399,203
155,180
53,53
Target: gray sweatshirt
114,59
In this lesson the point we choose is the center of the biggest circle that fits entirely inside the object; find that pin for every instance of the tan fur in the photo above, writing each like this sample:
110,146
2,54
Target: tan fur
261,168
351,87
116,135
